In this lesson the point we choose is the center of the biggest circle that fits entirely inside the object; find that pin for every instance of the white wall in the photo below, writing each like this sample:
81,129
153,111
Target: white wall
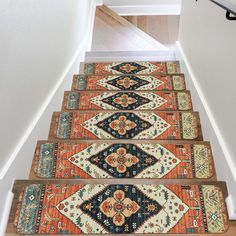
208,42
232,2
41,45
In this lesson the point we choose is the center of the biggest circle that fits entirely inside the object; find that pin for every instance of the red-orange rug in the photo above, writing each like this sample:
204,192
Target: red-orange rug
162,101
141,68
66,160
120,209
126,125
129,82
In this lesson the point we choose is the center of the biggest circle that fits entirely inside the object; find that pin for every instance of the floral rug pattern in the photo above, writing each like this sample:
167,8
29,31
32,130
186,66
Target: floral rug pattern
115,209
139,68
127,101
129,82
118,160
127,125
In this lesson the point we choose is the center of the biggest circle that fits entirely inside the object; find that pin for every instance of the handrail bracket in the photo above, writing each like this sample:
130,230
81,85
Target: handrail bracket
229,16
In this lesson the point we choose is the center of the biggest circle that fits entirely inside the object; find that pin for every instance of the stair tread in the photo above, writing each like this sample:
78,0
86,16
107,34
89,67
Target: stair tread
129,82
101,56
126,125
127,100
141,68
127,53
100,160
185,203
106,165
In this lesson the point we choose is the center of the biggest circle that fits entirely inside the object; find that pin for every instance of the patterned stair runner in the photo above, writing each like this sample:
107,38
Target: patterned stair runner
140,68
120,209
129,82
84,160
127,101
131,125
126,125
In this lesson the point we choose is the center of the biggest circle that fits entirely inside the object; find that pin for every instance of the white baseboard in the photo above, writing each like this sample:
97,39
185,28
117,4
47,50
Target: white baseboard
224,166
137,10
98,2
6,212
231,207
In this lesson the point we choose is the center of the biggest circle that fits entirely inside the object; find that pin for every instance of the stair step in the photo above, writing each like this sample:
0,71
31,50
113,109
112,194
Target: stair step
78,208
140,68
129,82
126,125
97,56
122,171
142,159
114,33
122,100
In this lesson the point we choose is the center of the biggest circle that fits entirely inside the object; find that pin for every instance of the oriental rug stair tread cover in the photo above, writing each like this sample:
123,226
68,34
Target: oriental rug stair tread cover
123,100
68,160
143,102
102,209
142,68
129,82
126,125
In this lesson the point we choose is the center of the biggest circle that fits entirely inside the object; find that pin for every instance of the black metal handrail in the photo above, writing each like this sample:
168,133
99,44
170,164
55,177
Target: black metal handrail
229,7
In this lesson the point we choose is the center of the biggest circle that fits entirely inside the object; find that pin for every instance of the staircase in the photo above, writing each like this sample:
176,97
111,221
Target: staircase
114,33
124,155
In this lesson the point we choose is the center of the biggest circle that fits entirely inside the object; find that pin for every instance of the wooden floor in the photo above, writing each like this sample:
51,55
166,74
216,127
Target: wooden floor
231,232
162,28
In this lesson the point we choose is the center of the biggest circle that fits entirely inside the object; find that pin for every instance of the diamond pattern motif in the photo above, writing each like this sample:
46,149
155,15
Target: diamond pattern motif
128,101
130,82
121,209
127,82
128,68
124,125
124,161
134,67
118,206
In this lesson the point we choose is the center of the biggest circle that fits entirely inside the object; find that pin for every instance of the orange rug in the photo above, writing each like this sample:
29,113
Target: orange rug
140,68
120,209
126,125
69,160
168,100
129,82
